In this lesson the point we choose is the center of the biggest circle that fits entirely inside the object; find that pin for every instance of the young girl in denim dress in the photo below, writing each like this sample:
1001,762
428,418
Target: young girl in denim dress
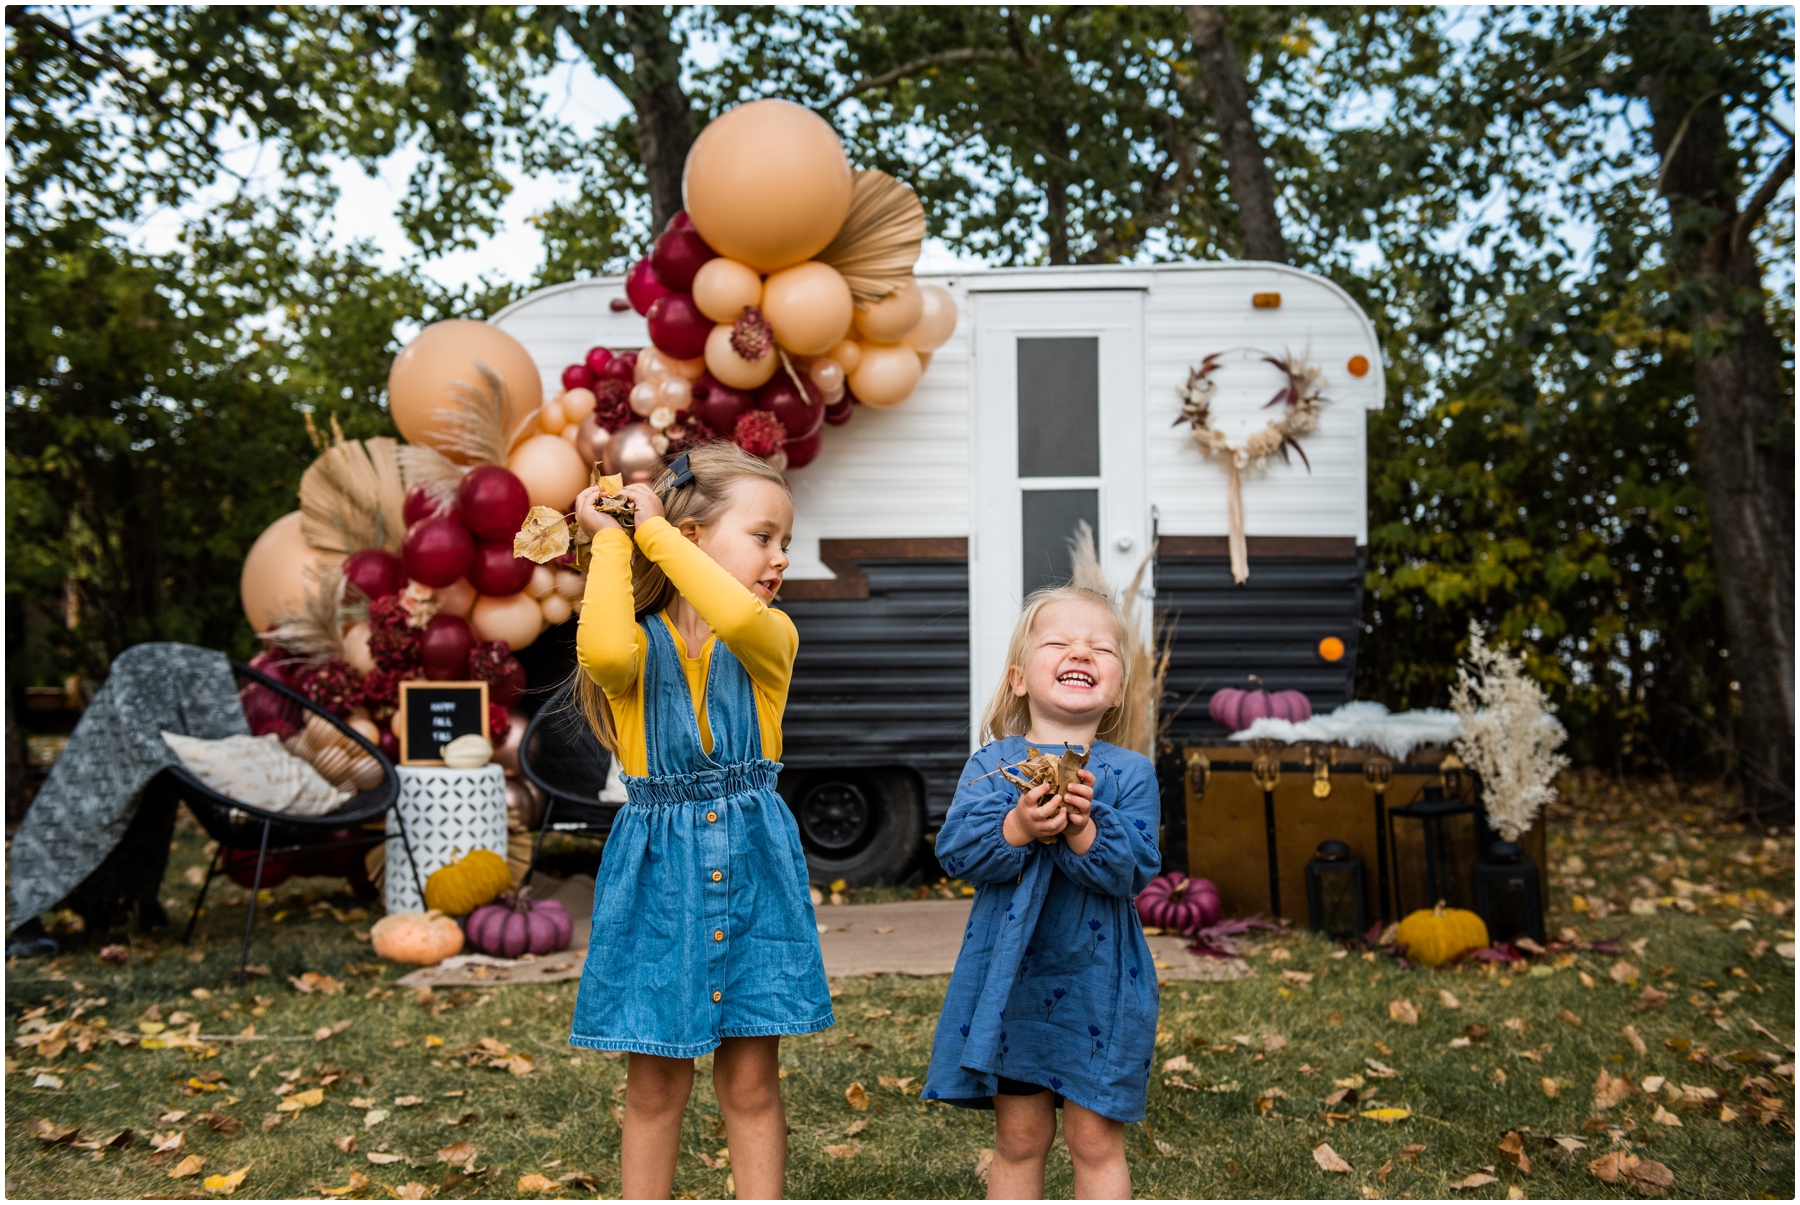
704,937
1053,1001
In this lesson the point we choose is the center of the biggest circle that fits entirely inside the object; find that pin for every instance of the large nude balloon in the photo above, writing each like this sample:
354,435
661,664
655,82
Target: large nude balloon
888,374
552,470
421,382
274,581
723,287
937,319
808,307
888,320
767,184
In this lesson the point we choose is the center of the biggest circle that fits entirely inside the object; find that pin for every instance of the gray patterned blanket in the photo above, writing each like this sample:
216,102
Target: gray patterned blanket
91,797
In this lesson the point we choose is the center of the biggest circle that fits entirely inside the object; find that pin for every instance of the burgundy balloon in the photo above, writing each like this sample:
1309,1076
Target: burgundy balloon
577,376
802,452
622,367
679,220
444,648
437,551
800,413
677,326
421,505
596,360
839,412
678,254
374,572
390,744
493,503
718,406
496,571
642,286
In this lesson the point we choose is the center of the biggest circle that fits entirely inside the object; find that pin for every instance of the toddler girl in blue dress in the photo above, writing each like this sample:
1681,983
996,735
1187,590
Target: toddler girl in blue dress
1053,1002
704,937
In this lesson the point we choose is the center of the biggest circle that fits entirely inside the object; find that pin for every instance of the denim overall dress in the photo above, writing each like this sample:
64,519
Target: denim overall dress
703,926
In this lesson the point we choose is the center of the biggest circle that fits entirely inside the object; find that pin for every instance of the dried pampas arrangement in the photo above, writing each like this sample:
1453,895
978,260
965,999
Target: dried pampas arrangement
878,244
432,471
314,634
1146,667
484,421
353,495
1509,736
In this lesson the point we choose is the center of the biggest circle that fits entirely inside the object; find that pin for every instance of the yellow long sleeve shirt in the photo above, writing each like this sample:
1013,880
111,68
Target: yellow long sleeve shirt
611,647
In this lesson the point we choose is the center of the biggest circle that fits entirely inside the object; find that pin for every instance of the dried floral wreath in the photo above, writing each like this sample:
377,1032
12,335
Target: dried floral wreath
1301,397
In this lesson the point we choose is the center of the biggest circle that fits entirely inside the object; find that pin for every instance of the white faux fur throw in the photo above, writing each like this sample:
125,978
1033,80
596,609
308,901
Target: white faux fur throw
1363,724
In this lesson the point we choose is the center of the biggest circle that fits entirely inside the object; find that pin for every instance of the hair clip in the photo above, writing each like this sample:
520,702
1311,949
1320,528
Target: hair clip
680,473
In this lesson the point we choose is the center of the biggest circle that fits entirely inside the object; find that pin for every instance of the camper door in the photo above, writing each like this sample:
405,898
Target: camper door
1059,440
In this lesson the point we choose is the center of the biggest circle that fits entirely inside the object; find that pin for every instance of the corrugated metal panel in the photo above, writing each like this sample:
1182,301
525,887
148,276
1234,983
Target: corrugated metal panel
885,681
1270,626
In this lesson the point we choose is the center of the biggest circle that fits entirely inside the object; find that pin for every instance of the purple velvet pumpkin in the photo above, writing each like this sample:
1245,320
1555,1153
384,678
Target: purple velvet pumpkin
1174,901
1235,710
516,925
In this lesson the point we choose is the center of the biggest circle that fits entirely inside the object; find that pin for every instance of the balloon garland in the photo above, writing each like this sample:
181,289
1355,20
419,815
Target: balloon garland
1302,397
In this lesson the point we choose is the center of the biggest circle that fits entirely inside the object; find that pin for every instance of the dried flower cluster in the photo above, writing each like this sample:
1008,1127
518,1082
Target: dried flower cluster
751,335
1509,736
759,433
612,404
1301,399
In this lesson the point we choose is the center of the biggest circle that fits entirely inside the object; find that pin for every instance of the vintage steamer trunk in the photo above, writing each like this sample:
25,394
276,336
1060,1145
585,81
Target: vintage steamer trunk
919,528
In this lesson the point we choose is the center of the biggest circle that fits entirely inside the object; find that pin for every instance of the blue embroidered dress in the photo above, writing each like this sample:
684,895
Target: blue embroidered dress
1055,985
703,927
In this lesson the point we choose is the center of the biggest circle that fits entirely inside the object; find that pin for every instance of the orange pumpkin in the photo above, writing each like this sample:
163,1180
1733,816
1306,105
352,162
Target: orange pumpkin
425,938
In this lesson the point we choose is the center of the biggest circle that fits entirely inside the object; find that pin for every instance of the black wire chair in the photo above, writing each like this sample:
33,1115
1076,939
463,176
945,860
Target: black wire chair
277,836
561,756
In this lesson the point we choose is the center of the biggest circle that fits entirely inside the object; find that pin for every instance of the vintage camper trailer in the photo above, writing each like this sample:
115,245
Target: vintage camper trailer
919,528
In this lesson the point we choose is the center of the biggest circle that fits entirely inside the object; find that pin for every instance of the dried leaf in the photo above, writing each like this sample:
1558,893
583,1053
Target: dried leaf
333,1030
1273,1042
1645,1175
1380,1070
412,1192
302,1100
1549,1086
1329,1160
407,1102
186,1167
457,1152
373,1118
984,1160
357,1181
312,982
858,1097
345,1143
166,1143
900,1084
1610,1090
1663,1117
533,1182
844,1150
1178,1063
1388,1115
1623,972
381,1158
1637,1042
52,1134
1512,1149
1297,978
1448,999
544,537
1568,1018
1403,1012
1477,1180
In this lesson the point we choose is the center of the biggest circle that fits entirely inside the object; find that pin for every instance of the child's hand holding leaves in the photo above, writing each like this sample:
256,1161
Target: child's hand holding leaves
1078,797
1038,816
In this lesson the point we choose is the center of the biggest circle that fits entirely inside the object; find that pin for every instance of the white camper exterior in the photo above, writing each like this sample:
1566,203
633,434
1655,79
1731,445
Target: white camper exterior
1088,356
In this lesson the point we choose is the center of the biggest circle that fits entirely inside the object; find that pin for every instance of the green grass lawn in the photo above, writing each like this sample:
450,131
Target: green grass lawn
1271,1061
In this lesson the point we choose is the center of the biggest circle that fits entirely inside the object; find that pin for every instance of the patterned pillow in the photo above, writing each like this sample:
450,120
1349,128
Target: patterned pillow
256,770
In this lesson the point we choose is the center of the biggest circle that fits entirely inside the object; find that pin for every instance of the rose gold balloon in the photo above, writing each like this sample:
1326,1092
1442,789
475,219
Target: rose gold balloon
848,355
675,393
524,801
808,307
643,397
421,382
577,404
507,742
633,453
723,287
514,619
651,366
828,375
767,184
591,440
274,580
456,598
889,372
552,470
937,319
888,320
732,369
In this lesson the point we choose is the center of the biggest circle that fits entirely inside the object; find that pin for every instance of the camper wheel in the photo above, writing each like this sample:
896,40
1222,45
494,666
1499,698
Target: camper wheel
860,826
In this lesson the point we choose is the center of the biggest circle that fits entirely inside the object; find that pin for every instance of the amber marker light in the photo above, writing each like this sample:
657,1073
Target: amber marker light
1331,649
1359,366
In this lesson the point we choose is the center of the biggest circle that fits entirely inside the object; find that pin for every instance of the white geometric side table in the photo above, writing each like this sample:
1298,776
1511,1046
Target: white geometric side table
448,814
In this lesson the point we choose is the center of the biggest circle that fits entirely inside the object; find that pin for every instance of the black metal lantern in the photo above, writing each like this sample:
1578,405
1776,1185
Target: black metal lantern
1436,840
1507,894
1335,904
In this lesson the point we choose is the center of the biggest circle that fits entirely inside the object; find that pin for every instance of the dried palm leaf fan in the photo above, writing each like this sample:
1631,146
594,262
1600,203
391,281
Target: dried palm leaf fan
483,423
352,497
1148,668
878,244
314,633
432,471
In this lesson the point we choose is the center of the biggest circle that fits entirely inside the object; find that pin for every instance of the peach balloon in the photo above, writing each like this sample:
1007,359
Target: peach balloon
552,470
274,580
925,361
643,396
543,581
937,322
456,598
808,306
887,375
514,619
356,648
551,418
555,608
571,433
421,384
723,287
689,370
366,727
888,320
767,184
570,585
848,355
732,369
577,404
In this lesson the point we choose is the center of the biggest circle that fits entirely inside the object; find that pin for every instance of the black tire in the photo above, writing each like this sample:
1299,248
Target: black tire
864,827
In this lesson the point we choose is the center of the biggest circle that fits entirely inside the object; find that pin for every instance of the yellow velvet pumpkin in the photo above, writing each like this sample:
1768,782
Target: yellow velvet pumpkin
1434,936
426,938
475,879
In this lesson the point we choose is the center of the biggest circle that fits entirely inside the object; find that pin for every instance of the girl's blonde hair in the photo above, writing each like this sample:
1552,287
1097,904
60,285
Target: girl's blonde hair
1009,714
717,467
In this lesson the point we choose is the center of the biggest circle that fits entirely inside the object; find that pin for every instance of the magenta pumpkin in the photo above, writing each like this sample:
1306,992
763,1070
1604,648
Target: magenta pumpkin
517,925
1235,710
1174,901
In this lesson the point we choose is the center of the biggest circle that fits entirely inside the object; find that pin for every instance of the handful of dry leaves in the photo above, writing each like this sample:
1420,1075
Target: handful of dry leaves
1039,768
548,535
612,502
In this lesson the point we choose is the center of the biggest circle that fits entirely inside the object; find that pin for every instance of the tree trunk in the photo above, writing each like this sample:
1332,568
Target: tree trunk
1743,448
1056,197
1221,81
